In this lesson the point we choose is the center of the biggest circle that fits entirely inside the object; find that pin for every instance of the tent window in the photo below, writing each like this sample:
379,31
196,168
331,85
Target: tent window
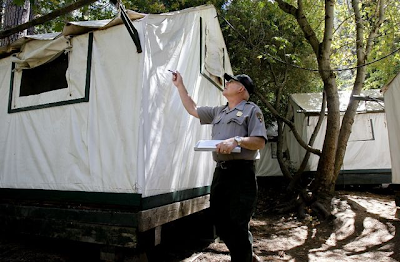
62,81
362,130
212,56
45,78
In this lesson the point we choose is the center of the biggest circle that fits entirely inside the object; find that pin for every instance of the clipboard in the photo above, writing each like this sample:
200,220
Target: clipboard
211,145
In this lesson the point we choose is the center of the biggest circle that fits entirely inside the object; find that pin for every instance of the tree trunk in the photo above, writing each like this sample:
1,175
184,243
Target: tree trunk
325,177
15,15
31,30
337,135
362,55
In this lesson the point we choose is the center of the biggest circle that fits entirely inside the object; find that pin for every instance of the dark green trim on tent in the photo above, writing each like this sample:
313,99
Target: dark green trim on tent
209,79
168,198
88,67
81,215
361,176
11,87
131,29
372,129
201,57
364,178
72,197
124,200
61,103
367,171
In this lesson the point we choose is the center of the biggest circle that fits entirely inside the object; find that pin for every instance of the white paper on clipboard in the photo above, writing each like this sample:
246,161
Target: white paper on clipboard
211,145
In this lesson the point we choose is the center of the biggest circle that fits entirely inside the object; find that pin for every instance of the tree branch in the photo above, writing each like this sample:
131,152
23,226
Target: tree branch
45,18
305,26
289,124
300,171
278,94
328,32
380,11
287,8
359,32
340,25
284,168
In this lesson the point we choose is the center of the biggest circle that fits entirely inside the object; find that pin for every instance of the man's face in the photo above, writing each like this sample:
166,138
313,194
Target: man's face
232,88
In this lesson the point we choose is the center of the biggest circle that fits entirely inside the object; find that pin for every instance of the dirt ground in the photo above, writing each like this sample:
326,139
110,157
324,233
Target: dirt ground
365,229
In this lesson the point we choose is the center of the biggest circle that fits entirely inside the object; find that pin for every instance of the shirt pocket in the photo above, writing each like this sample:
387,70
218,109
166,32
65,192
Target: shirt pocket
214,123
238,126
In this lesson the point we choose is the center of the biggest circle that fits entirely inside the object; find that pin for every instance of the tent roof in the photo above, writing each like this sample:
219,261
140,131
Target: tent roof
70,28
16,45
311,102
390,83
82,27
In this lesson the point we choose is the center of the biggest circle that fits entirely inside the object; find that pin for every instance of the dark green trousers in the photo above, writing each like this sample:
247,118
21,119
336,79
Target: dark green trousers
232,202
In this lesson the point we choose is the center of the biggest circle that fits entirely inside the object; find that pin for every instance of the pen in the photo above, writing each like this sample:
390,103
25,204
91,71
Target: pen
173,72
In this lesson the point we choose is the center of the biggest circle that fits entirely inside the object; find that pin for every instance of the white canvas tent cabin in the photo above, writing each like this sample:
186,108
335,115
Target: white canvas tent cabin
88,120
391,92
268,165
367,158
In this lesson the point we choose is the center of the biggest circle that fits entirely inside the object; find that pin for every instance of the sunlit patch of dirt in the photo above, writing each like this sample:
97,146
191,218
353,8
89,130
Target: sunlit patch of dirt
384,206
365,229
281,235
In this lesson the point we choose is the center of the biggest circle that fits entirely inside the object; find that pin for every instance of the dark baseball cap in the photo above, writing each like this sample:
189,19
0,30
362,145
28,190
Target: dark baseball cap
245,80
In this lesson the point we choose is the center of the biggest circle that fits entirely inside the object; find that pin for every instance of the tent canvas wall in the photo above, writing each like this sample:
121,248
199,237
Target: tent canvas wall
116,125
268,164
392,96
367,151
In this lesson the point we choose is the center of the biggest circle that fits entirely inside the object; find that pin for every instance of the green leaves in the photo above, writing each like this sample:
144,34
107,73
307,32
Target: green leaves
344,44
19,2
264,43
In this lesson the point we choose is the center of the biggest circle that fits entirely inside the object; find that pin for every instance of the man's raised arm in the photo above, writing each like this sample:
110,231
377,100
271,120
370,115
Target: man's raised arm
187,101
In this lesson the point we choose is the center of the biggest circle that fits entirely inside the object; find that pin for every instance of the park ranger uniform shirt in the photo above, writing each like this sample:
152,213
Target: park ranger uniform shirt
244,120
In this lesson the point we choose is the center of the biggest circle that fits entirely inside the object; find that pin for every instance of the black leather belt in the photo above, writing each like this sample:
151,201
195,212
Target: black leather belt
234,163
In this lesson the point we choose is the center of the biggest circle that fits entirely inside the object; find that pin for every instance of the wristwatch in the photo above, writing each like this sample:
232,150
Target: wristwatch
238,140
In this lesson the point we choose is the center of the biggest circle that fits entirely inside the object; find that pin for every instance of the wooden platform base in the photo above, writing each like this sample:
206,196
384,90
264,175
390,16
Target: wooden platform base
158,216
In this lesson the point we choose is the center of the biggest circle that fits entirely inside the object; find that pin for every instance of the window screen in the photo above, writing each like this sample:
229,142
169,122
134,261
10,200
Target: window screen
45,78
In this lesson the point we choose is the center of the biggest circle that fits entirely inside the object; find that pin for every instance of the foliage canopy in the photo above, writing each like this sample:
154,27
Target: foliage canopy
260,37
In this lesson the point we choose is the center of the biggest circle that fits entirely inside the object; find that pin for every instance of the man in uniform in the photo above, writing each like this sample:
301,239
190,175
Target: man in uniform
234,187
